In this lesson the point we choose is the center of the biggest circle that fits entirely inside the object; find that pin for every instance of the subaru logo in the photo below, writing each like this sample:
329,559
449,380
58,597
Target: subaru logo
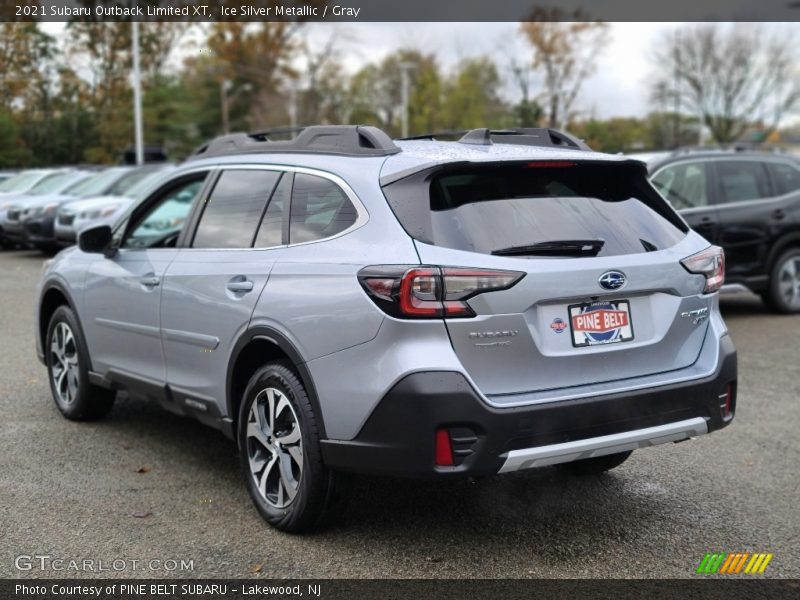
612,280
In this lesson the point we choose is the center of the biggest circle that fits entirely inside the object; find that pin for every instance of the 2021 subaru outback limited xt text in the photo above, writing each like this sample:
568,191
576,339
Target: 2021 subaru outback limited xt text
343,303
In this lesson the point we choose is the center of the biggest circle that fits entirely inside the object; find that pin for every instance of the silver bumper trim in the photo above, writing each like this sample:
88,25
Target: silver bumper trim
528,458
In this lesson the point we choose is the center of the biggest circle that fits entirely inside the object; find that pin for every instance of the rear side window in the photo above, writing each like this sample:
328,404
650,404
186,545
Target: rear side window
685,185
574,209
270,232
785,177
741,180
233,209
320,209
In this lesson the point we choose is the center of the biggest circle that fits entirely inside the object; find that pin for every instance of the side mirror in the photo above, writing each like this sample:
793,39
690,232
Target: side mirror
95,239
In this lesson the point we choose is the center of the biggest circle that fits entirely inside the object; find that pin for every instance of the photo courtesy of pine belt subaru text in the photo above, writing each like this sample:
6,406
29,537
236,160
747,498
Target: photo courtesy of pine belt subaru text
343,303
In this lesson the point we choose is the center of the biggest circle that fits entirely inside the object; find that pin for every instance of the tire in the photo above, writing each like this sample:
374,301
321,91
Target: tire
596,466
783,293
288,482
67,362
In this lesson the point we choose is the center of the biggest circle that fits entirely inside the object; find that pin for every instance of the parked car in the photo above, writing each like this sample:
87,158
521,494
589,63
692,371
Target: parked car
76,215
35,221
4,175
52,183
343,303
749,204
24,181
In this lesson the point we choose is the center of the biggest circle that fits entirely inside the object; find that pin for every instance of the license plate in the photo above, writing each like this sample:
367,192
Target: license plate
597,323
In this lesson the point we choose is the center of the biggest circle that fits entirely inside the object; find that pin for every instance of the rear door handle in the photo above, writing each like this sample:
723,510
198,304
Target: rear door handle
240,286
150,281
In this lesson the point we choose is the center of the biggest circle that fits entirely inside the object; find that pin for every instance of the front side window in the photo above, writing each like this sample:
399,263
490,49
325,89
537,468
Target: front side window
684,185
163,221
320,209
741,180
786,178
234,208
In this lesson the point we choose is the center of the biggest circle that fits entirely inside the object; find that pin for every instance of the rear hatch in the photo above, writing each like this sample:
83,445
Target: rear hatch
601,293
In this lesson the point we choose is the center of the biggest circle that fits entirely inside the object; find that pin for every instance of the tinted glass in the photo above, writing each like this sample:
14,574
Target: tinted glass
742,180
271,231
786,178
320,209
492,209
234,209
684,185
164,220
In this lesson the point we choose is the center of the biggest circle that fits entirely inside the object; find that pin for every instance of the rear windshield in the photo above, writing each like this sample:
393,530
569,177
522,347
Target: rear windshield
537,209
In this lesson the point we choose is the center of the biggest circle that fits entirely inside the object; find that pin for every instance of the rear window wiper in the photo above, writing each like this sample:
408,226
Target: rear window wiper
554,248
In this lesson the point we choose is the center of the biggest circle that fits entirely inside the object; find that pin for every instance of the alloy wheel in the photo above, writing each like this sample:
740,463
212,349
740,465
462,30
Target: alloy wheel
64,368
789,282
274,447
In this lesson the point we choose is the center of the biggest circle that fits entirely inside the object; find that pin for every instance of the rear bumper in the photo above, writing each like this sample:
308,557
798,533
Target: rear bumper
398,437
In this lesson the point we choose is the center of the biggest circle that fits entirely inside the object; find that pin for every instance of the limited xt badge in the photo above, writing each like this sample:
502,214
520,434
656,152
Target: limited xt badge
698,316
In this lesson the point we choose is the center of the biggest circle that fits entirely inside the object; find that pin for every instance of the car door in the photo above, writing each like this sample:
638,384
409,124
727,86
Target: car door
746,218
123,290
687,185
212,286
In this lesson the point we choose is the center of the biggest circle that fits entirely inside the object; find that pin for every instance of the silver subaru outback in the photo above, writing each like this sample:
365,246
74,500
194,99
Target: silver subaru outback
343,303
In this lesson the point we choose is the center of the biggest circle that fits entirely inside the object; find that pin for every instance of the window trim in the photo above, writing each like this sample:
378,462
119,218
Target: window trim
362,215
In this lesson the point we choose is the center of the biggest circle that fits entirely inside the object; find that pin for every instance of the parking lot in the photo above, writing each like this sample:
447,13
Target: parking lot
144,485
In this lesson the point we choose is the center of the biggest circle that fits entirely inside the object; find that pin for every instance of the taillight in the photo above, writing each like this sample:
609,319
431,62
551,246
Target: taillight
710,263
431,292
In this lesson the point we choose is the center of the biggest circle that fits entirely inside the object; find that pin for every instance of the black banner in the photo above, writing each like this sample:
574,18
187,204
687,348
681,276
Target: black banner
385,589
399,10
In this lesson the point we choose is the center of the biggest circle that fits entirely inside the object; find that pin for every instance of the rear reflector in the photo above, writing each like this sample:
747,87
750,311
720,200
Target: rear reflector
444,449
726,401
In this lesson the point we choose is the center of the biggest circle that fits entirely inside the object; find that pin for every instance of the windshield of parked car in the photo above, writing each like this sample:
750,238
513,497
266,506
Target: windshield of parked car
143,185
129,181
19,183
96,184
54,183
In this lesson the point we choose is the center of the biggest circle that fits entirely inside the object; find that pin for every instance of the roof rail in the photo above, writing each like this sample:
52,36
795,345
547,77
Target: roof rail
343,140
540,136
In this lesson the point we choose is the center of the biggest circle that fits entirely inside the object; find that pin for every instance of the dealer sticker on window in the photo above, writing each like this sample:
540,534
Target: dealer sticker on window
595,323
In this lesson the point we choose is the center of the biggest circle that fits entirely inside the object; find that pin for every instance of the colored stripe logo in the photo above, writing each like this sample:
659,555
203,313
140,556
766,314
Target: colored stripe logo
734,563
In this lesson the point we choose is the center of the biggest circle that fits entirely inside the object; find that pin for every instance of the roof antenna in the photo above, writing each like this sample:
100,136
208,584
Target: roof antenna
477,137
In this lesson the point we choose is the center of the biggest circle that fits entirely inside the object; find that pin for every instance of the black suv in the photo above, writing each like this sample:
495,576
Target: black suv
748,203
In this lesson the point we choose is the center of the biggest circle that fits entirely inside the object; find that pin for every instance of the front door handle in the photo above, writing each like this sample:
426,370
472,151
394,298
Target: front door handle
240,286
778,214
150,281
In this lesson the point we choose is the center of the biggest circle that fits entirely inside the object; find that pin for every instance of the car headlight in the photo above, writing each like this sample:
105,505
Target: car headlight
99,213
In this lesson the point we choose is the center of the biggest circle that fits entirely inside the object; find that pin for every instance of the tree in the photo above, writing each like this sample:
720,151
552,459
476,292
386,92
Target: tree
472,97
12,152
566,54
728,76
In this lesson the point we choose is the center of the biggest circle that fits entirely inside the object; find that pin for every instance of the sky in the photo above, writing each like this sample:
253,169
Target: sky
619,86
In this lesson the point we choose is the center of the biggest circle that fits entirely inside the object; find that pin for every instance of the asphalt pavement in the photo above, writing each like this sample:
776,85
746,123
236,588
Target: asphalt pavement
144,491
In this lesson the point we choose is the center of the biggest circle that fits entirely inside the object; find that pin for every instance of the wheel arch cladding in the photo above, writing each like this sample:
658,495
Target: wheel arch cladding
254,349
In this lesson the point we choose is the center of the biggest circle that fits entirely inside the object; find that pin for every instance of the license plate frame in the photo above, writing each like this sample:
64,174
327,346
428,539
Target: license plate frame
595,328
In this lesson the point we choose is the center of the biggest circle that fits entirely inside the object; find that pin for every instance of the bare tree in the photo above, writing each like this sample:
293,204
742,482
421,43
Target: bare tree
566,53
730,77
